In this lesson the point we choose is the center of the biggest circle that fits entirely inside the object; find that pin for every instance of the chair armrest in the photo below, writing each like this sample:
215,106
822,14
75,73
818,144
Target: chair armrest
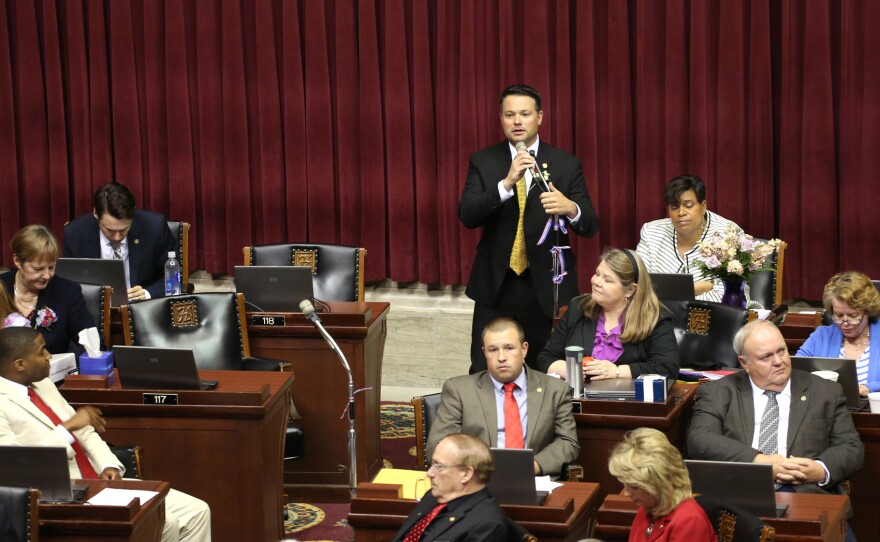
130,457
261,364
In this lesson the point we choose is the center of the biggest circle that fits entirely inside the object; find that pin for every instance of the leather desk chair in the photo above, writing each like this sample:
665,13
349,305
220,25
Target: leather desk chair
518,533
766,286
180,231
425,409
98,304
733,524
337,270
705,332
20,505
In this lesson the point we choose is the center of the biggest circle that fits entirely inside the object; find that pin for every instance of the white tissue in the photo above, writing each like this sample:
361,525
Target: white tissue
91,342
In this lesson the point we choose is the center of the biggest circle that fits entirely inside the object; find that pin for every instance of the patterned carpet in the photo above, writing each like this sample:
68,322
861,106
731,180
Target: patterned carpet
326,522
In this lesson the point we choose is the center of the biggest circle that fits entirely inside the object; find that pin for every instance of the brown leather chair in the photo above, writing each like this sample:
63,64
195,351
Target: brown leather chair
180,231
98,304
766,286
20,506
705,332
337,270
733,524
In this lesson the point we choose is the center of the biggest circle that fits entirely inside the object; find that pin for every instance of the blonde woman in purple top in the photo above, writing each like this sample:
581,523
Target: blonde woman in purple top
620,324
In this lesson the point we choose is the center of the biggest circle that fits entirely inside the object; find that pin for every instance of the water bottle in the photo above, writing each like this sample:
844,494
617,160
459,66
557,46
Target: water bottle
172,276
574,370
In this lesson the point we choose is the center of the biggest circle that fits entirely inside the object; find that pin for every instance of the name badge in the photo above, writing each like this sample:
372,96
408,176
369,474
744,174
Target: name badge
267,320
160,398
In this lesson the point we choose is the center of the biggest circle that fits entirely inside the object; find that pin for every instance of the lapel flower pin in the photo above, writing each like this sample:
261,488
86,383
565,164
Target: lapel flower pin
44,318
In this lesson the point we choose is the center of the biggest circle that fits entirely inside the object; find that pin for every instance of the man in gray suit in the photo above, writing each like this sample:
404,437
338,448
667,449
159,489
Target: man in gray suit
474,404
795,421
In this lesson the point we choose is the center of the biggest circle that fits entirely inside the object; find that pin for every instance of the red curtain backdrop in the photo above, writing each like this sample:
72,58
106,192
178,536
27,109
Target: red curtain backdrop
263,121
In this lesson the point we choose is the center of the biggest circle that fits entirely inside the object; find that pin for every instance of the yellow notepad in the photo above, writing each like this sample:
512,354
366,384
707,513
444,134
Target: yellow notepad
414,483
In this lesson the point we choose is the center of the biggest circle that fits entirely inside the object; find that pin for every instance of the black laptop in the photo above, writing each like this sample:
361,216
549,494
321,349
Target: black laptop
41,467
673,286
846,376
274,288
96,271
745,485
513,481
148,368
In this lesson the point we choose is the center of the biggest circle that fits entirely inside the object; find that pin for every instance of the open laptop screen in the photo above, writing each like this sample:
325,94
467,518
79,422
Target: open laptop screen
96,271
41,467
274,288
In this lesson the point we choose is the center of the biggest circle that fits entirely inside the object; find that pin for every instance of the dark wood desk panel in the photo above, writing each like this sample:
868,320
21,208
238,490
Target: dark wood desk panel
321,394
223,446
866,503
809,518
797,327
81,523
566,516
602,424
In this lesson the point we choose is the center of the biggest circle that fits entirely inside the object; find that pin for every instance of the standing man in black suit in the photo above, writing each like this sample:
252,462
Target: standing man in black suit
512,275
116,230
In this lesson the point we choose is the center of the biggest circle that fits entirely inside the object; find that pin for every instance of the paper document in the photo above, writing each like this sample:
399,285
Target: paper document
543,483
110,496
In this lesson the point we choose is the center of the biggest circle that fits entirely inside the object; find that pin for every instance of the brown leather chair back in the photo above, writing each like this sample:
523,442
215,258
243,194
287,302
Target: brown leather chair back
20,506
705,332
337,270
211,324
425,411
766,286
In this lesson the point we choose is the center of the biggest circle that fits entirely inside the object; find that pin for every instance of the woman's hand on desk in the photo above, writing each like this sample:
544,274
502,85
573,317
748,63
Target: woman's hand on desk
600,369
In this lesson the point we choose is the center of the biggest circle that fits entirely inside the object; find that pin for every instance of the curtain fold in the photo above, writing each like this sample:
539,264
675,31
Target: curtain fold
351,121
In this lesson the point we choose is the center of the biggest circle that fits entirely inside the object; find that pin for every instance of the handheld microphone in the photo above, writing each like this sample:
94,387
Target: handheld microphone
536,172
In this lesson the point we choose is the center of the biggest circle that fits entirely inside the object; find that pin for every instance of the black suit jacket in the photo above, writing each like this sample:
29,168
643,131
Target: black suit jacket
65,299
657,354
472,518
481,205
149,242
820,427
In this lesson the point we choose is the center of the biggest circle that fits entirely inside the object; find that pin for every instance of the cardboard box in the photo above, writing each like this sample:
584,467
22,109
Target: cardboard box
101,365
651,388
61,365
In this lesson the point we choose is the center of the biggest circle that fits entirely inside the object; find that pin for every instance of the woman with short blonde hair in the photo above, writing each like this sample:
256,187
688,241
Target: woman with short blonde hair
654,477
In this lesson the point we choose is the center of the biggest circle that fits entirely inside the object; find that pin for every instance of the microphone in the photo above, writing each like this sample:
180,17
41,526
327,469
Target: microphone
308,311
536,172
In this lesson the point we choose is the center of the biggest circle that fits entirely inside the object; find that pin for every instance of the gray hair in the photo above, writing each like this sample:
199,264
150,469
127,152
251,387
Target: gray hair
743,334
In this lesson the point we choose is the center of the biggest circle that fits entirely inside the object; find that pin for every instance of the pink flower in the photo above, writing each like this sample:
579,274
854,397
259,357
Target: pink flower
45,317
15,319
733,266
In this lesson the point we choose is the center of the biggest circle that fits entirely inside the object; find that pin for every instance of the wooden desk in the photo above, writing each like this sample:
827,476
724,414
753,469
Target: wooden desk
602,424
135,522
866,520
567,514
321,392
223,446
809,518
797,327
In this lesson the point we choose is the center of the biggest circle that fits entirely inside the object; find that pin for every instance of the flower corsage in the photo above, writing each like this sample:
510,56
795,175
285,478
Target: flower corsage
44,318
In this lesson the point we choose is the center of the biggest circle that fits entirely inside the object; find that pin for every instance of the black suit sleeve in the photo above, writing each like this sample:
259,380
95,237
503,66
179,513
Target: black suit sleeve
660,350
554,349
480,199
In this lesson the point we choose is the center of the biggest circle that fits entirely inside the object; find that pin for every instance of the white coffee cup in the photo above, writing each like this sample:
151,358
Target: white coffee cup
827,375
874,399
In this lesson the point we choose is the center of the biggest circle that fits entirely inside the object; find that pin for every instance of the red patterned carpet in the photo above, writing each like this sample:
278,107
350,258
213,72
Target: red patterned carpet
325,522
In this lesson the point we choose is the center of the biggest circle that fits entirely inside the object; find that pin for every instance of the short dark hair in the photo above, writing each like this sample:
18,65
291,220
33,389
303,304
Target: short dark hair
681,184
501,324
15,342
114,199
521,90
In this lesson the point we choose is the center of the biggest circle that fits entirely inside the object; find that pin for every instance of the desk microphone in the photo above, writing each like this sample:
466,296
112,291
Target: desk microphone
308,311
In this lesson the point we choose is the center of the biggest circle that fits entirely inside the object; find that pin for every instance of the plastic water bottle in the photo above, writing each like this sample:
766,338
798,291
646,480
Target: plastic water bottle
172,275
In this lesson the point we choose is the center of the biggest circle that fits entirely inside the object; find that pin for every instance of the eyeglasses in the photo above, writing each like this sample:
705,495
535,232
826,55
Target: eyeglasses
846,320
440,466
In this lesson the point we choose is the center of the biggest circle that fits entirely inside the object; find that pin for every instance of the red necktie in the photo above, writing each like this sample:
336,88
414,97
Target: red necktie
513,432
82,460
415,534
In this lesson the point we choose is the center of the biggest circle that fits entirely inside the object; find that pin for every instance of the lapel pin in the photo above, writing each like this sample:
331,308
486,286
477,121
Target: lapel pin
451,519
544,165
137,241
803,397
540,390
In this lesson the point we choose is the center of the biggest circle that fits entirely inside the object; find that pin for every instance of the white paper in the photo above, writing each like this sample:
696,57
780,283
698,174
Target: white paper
111,496
90,341
544,483
762,313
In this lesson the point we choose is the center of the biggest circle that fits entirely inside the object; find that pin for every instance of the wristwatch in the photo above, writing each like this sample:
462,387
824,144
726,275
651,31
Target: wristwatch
617,372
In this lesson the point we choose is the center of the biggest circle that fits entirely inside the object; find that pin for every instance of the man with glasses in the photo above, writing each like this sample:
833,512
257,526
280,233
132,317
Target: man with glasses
458,507
767,413
510,406
116,230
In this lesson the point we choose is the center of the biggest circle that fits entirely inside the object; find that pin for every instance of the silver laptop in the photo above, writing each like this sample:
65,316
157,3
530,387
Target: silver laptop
513,481
673,286
148,368
745,485
846,376
274,288
41,467
96,271
617,388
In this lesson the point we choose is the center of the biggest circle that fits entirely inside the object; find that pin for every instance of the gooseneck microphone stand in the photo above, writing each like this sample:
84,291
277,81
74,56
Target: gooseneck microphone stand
309,312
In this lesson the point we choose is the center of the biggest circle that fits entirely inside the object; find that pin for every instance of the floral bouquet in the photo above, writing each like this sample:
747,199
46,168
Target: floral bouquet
734,255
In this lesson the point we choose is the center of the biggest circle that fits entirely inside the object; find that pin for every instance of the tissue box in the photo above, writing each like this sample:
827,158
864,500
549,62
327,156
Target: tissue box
60,365
651,388
101,365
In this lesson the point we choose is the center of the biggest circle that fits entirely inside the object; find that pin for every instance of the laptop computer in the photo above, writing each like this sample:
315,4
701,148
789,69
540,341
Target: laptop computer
513,481
846,376
274,288
745,485
617,388
41,467
148,368
673,286
96,271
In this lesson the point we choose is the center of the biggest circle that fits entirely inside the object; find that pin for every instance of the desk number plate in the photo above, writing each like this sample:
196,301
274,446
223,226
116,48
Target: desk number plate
160,398
267,320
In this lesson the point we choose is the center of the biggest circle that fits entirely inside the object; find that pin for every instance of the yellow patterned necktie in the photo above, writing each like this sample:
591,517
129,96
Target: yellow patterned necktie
519,261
